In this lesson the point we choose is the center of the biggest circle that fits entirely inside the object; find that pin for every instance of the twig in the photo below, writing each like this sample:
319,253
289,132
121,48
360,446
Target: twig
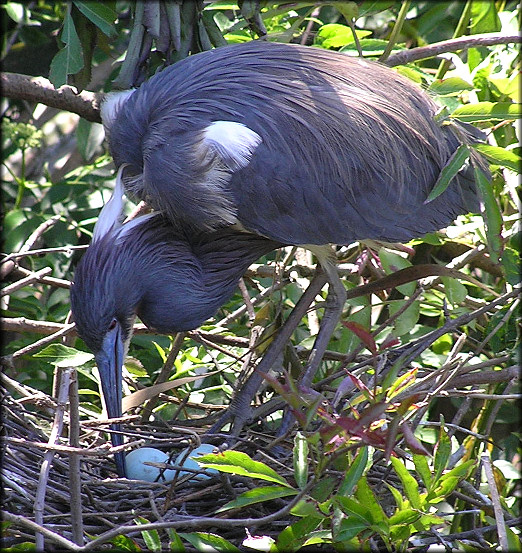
45,468
75,478
39,529
33,277
44,341
497,508
38,89
452,45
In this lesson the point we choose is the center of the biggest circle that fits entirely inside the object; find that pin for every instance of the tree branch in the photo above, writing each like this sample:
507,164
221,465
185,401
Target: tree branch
38,89
452,45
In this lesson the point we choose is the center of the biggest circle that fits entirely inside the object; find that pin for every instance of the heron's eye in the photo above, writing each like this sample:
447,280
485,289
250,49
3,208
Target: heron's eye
112,324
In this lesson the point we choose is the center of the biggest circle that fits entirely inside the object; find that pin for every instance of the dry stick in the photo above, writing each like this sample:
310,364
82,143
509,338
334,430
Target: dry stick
75,478
196,523
39,529
33,277
44,341
45,468
451,45
52,281
38,89
497,508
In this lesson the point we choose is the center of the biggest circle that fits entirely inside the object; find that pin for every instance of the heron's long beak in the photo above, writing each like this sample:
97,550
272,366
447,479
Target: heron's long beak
110,361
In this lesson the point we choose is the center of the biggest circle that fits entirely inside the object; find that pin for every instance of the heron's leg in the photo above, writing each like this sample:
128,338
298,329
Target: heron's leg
240,409
332,313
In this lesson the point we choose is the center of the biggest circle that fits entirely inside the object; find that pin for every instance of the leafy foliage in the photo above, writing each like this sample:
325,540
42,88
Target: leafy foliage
374,463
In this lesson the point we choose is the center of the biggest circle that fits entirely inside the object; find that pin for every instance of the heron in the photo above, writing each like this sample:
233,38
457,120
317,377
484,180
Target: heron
239,151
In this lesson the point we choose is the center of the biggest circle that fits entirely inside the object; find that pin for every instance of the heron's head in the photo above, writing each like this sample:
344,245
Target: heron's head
104,299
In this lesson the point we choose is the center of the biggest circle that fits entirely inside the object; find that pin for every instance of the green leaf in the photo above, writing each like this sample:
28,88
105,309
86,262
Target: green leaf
487,111
64,356
293,536
89,136
300,459
258,495
454,165
404,516
175,541
366,497
124,543
442,452
335,35
69,60
236,462
456,292
352,507
452,85
151,537
406,321
492,213
484,18
349,528
392,262
15,10
354,473
422,468
500,156
411,486
205,541
99,13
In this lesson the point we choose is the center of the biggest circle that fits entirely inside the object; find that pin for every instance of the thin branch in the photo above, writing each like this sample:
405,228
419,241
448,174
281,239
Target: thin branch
452,45
40,90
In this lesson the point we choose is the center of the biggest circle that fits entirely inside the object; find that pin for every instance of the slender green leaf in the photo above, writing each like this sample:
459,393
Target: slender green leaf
452,85
411,486
69,60
404,516
422,468
151,537
300,459
293,536
366,497
64,356
349,528
500,156
493,214
392,262
101,14
205,541
354,473
236,462
456,292
487,111
258,495
175,541
454,165
442,452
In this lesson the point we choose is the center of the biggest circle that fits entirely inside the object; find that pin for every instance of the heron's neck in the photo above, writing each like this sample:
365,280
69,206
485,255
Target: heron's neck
186,283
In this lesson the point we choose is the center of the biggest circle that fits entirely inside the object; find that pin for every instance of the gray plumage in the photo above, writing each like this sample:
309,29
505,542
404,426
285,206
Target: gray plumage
349,149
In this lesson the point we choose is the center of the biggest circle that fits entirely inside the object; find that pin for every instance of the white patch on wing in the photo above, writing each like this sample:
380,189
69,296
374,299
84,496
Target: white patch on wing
110,106
111,211
233,142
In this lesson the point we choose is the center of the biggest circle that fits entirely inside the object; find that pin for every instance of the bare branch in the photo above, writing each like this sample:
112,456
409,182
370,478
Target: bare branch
452,45
38,89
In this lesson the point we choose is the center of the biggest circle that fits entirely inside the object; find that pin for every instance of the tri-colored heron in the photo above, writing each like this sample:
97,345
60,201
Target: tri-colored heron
244,149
